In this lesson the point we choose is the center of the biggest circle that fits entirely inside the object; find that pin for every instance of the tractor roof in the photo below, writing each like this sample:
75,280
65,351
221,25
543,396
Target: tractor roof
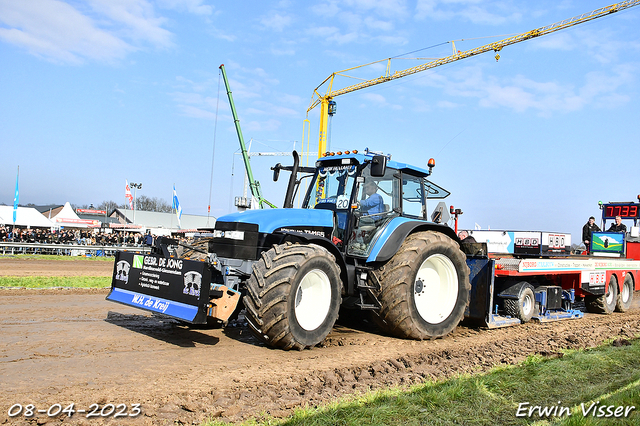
361,158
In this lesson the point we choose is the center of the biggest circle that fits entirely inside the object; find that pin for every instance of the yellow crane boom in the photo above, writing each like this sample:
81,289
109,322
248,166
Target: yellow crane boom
324,100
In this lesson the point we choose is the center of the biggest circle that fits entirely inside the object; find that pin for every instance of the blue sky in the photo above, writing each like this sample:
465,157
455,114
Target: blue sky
97,92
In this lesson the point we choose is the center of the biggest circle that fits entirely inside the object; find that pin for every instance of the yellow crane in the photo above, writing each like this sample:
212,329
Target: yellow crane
327,104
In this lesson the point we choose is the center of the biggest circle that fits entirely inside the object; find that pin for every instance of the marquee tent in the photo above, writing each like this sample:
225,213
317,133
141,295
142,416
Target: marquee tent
25,216
68,218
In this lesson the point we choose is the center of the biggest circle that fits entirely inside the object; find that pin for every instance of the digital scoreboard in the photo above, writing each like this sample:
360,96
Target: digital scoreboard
624,210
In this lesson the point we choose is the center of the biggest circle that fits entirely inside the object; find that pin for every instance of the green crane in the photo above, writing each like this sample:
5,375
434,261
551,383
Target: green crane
253,184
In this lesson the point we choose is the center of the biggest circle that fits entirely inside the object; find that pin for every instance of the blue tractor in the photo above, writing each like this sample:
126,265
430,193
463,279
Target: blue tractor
361,241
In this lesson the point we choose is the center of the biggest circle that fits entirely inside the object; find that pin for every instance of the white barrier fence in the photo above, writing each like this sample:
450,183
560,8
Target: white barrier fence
9,248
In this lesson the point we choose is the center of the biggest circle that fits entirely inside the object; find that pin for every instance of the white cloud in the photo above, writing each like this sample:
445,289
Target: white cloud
282,50
475,11
447,104
192,6
136,18
366,21
276,22
522,94
100,30
374,98
221,34
333,35
250,86
55,30
195,112
377,24
271,125
378,100
380,7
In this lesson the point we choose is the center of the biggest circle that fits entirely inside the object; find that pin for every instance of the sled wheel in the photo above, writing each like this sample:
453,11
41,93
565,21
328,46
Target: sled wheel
522,307
293,296
423,288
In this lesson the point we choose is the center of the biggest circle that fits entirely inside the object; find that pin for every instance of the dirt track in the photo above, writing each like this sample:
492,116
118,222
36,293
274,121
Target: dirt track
72,346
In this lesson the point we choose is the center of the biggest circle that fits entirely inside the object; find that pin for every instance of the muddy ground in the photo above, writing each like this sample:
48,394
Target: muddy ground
63,346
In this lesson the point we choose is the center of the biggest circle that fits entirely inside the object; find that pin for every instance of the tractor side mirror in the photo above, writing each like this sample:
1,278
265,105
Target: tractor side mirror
378,166
276,171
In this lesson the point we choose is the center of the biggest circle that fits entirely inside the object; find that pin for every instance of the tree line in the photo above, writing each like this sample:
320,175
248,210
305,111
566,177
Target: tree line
143,203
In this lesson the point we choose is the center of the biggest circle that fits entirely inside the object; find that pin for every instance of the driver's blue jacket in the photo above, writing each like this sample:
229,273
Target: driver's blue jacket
372,205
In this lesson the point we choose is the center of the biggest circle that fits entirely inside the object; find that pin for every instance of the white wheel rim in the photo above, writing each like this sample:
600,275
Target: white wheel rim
313,299
626,293
527,305
435,291
609,295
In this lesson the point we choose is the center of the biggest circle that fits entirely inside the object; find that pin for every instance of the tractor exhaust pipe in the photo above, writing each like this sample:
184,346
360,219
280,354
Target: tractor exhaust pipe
291,187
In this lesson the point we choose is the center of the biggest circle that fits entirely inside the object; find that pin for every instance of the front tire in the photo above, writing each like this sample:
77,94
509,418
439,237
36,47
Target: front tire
625,297
423,288
293,296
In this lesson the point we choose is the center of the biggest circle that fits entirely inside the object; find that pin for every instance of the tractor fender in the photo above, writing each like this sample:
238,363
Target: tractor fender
306,238
397,230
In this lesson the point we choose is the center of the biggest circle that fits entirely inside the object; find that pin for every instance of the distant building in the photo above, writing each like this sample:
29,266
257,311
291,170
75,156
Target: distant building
160,223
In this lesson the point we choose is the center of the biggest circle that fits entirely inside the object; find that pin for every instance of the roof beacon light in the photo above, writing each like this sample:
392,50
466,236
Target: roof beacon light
431,163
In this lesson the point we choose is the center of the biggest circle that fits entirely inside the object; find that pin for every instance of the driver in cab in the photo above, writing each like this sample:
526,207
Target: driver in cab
374,203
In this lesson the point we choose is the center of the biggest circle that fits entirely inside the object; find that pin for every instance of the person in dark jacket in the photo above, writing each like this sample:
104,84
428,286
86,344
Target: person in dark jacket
618,226
465,237
587,231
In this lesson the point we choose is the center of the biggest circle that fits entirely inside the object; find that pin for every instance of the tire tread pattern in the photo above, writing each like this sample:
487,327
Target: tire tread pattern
395,281
268,289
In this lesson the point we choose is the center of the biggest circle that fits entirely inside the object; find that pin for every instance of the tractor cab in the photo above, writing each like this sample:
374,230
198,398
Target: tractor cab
366,192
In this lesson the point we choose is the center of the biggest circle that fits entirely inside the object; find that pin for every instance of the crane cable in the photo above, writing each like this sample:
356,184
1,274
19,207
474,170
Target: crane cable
213,155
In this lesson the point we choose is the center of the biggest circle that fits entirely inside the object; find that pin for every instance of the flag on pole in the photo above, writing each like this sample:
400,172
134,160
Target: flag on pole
176,205
127,194
16,199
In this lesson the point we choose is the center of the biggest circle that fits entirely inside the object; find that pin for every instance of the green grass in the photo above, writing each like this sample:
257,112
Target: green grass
606,375
54,257
48,282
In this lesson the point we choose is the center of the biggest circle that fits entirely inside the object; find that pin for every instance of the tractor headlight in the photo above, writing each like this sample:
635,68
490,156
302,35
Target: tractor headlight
218,234
234,235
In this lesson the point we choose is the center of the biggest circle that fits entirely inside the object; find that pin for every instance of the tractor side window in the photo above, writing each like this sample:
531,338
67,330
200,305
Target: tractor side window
385,187
378,200
412,196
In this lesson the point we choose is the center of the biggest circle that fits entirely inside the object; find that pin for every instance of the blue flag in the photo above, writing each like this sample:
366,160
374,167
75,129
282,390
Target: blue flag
16,198
176,205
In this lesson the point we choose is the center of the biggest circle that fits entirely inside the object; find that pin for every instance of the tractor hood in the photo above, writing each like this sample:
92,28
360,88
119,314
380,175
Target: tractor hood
297,220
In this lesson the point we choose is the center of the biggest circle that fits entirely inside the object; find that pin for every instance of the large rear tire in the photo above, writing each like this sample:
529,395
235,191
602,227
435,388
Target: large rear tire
625,297
293,296
424,287
606,303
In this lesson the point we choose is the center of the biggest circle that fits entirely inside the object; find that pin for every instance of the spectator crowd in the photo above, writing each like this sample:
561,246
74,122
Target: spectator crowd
77,236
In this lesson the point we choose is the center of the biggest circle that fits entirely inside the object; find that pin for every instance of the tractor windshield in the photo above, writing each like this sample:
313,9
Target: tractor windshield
332,188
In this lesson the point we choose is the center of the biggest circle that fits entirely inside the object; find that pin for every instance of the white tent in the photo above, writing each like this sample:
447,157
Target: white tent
68,218
25,216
